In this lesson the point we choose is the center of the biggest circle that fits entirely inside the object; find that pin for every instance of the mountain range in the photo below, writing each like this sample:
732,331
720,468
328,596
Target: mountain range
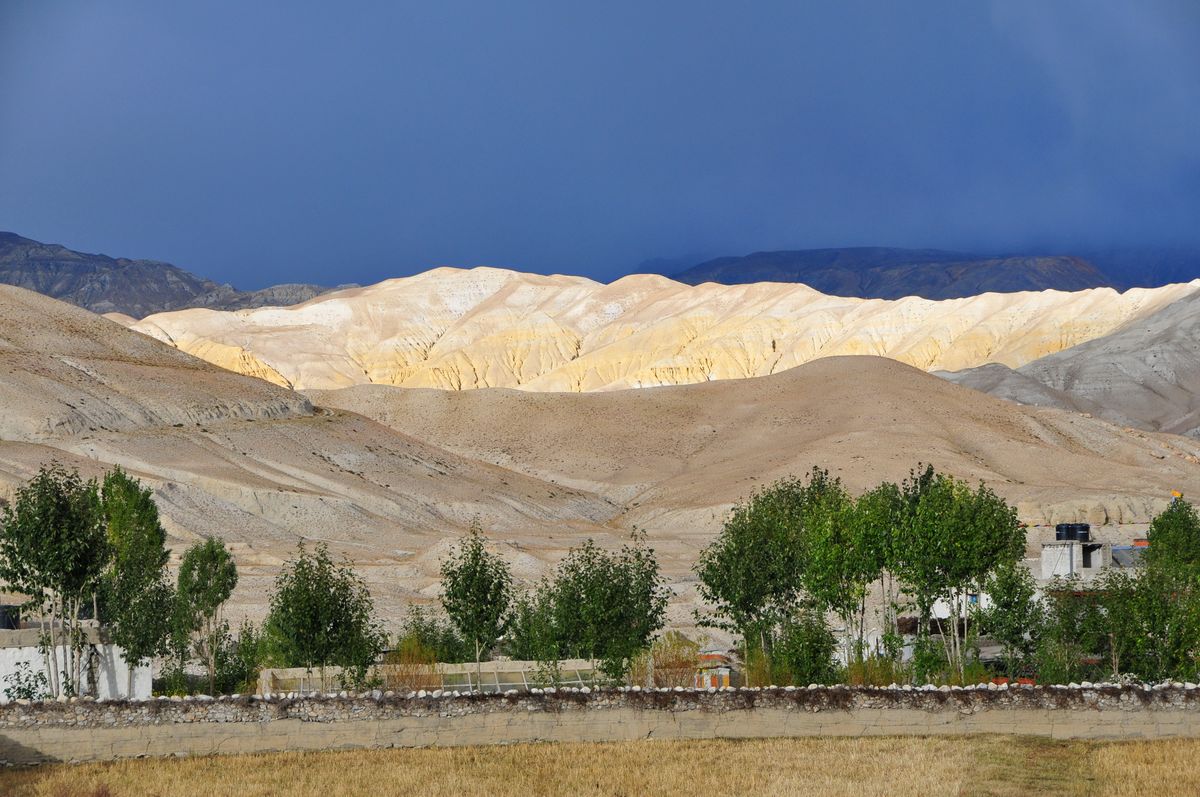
460,329
135,288
888,273
138,288
390,476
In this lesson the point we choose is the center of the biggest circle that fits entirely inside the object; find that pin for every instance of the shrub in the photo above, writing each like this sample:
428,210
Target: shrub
322,615
411,666
426,628
669,661
804,652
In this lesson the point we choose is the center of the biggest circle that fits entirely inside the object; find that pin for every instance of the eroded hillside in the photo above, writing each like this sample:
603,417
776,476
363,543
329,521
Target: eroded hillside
389,476
454,329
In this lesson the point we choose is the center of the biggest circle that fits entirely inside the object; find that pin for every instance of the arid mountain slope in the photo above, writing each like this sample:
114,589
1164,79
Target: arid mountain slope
105,284
264,467
699,447
886,273
455,329
1146,374
253,463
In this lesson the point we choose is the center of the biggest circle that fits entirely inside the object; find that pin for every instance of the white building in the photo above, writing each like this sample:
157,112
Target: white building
105,674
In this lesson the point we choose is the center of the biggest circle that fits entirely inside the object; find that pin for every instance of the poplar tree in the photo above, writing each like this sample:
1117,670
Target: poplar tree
477,593
207,577
608,606
322,614
135,591
750,574
950,541
53,549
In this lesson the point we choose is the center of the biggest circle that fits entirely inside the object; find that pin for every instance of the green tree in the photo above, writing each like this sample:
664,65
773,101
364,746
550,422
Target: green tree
1015,617
1128,635
608,606
750,574
477,593
207,577
840,560
950,540
53,549
240,658
531,633
1174,538
1074,631
136,595
321,614
879,514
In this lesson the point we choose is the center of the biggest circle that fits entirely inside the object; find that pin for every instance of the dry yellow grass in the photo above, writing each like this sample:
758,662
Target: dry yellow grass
980,765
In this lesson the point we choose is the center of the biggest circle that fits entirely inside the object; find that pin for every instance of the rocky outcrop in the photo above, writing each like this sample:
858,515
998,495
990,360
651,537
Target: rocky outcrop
457,330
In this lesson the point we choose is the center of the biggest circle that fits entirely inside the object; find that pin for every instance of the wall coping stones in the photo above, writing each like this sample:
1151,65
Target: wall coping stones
376,705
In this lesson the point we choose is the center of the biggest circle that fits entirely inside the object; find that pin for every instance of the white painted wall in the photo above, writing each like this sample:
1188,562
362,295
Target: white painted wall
112,672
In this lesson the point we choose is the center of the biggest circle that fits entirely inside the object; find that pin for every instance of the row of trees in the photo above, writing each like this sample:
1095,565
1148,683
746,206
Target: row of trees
804,548
788,558
96,550
86,549
1142,625
598,605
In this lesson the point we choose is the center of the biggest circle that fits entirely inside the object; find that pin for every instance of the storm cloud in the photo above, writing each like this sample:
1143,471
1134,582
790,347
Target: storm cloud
285,141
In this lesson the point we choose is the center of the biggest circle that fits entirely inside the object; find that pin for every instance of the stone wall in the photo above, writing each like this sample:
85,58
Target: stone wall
89,730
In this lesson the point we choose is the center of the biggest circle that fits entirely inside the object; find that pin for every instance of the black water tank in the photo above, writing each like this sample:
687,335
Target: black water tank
1079,532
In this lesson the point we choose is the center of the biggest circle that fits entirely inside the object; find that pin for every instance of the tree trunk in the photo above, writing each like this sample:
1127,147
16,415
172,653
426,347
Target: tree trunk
77,653
945,642
478,668
55,683
211,659
65,620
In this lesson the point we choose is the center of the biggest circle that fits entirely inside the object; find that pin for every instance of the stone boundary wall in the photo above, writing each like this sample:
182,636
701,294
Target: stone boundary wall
90,730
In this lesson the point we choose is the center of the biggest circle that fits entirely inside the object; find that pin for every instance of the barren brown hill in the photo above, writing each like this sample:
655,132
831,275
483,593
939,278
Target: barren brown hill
253,463
263,467
688,451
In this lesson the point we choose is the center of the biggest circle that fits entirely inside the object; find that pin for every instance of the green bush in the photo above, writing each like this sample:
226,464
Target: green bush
804,651
427,629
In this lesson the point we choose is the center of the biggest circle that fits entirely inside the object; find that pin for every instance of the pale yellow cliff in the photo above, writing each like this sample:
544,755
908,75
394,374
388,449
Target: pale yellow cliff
460,329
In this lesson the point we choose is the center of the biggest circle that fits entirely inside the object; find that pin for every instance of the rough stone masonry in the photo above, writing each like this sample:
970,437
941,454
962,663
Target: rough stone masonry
90,730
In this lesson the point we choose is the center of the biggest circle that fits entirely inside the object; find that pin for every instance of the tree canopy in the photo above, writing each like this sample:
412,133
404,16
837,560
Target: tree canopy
321,614
477,592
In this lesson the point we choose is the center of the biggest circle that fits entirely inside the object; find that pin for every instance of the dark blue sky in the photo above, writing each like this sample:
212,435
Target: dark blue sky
330,142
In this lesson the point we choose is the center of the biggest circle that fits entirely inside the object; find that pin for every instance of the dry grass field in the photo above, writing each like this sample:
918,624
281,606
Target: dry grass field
981,765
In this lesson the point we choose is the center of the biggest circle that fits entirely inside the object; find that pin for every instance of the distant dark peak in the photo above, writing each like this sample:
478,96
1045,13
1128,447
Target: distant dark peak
872,272
12,239
137,288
